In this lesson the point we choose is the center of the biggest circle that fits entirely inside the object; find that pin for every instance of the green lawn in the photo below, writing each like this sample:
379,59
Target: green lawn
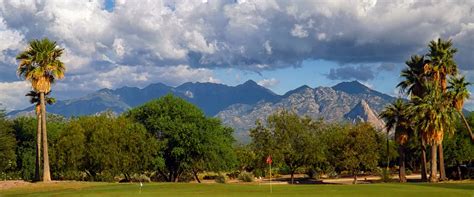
240,190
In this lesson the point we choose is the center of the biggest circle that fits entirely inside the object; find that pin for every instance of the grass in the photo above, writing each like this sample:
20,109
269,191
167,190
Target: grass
238,190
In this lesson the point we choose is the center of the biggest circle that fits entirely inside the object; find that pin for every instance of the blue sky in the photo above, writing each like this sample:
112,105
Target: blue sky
279,44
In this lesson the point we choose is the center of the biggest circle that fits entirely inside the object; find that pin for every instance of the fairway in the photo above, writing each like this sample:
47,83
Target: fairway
237,190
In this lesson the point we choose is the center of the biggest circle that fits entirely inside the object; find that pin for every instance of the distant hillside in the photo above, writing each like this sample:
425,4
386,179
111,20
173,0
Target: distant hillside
347,101
210,97
237,106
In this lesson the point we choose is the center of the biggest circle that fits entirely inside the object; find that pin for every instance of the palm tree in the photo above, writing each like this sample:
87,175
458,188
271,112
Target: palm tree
434,118
414,76
459,93
35,99
412,86
40,65
442,64
397,116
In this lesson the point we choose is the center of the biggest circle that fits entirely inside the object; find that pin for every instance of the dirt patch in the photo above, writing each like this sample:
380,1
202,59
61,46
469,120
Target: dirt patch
12,184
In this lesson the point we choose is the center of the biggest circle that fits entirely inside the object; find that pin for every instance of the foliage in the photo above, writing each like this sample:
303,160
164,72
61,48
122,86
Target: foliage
352,148
220,179
384,174
7,145
246,177
190,141
458,147
288,138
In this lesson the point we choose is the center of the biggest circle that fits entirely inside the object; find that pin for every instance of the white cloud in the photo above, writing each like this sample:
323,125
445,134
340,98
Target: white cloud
268,83
139,76
177,41
299,31
13,94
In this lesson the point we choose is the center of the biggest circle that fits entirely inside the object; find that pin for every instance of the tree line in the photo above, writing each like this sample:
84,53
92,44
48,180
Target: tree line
169,139
172,140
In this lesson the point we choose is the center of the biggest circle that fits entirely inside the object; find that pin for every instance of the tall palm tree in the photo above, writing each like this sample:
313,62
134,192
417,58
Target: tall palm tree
459,93
40,65
434,117
35,99
441,53
397,116
412,85
442,64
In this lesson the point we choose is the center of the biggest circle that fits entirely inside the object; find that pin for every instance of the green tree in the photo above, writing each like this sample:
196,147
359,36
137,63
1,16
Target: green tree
352,148
7,145
459,148
397,116
24,129
40,65
246,158
287,138
189,140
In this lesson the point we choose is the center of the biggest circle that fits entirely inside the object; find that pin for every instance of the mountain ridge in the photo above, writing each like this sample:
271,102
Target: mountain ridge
237,106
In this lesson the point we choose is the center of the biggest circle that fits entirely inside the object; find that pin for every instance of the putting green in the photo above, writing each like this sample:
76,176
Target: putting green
240,190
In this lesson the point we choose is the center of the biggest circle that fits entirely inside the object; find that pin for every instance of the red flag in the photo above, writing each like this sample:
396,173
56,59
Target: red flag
269,159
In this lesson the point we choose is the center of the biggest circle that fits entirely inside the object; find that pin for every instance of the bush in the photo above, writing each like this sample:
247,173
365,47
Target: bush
220,179
408,172
384,174
140,178
246,177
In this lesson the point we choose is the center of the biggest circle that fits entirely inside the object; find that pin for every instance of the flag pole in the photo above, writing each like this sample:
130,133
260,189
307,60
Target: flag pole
271,189
269,161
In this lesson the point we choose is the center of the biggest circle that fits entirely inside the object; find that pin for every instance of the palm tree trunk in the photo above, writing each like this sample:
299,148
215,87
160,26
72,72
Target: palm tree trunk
424,172
46,171
38,147
401,161
434,169
467,125
442,171
388,152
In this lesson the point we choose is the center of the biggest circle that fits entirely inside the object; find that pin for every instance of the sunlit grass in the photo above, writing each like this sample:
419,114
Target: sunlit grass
197,190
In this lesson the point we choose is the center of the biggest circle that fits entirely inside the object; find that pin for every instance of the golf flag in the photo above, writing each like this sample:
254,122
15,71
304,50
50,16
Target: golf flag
269,159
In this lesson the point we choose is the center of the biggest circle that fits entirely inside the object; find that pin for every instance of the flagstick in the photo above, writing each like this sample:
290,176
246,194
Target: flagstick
271,189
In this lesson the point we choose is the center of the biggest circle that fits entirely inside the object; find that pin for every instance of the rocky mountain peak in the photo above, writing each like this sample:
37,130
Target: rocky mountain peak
363,113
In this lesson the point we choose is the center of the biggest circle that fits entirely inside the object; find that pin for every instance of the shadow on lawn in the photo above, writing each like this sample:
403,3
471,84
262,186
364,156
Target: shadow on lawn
305,181
463,186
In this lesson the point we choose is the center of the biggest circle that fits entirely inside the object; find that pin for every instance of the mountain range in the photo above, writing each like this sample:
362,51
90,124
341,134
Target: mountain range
238,106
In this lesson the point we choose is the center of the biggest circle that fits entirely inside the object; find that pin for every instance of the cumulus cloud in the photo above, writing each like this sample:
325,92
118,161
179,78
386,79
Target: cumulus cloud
186,39
239,34
268,83
13,94
361,72
140,76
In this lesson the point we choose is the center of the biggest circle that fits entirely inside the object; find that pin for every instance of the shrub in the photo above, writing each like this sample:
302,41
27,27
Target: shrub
220,179
408,172
140,178
384,174
246,177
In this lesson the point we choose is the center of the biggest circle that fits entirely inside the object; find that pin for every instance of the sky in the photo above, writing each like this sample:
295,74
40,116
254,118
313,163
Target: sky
278,43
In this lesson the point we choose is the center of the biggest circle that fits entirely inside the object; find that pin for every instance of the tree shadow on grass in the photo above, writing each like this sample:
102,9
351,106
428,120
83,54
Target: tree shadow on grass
305,181
463,186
